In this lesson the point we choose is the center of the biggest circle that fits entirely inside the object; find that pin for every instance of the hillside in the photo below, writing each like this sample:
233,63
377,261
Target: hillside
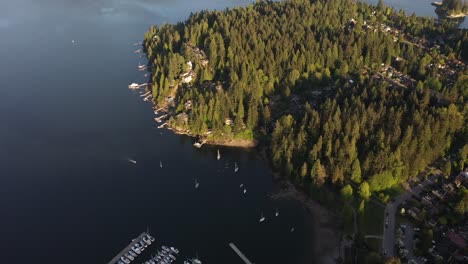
341,93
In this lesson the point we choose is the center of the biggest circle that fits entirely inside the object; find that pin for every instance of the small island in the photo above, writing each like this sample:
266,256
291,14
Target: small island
348,100
452,8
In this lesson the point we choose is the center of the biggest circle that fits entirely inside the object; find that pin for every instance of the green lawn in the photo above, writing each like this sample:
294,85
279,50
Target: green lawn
395,190
371,220
374,243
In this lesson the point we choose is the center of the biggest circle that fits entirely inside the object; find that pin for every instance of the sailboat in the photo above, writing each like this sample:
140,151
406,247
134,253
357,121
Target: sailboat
219,155
262,218
236,168
160,164
196,260
277,212
196,184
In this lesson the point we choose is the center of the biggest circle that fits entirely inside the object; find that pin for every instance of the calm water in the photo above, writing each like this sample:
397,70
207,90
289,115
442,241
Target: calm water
68,124
419,7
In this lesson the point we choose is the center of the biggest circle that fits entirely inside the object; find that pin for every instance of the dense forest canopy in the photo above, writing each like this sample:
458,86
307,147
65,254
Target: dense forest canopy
455,6
342,92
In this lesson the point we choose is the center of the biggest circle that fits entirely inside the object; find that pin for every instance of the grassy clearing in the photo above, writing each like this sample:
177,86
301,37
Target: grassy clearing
371,219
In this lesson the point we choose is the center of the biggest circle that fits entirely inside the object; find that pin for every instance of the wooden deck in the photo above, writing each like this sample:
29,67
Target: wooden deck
241,255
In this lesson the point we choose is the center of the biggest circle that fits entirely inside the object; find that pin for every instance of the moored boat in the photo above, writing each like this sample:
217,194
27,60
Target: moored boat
133,86
262,218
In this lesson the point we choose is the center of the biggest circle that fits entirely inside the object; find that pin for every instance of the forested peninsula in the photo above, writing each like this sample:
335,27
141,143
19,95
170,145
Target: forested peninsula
341,93
452,8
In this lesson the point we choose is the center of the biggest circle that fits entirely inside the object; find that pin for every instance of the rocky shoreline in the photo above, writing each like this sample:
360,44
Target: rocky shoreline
202,139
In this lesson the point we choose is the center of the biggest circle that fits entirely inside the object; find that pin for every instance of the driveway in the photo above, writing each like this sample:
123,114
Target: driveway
388,241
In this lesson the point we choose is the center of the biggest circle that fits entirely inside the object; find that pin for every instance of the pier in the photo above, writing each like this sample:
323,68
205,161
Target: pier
146,94
241,255
127,249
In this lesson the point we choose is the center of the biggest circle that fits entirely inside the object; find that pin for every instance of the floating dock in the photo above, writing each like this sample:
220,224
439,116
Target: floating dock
241,255
127,249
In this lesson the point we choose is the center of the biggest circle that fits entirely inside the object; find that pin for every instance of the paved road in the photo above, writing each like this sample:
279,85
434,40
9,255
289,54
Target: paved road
390,212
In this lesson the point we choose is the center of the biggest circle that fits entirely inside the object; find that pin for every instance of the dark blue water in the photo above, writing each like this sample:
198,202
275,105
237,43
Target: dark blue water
68,124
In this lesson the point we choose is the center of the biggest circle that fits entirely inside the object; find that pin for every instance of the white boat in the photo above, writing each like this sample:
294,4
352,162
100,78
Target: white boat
242,185
292,229
196,184
245,190
277,212
132,161
73,41
262,218
141,67
197,145
133,86
175,250
236,168
219,155
160,164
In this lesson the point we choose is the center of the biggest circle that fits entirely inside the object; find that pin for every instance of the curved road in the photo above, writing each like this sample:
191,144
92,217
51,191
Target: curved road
388,241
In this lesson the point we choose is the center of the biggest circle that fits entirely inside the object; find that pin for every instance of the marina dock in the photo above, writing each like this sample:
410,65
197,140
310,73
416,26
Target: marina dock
128,248
241,255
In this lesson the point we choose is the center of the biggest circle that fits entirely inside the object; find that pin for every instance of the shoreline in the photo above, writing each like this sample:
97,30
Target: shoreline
233,142
459,15
322,224
237,143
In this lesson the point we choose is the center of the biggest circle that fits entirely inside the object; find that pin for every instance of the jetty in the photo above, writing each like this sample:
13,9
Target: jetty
135,86
159,119
239,253
145,94
147,97
116,259
157,110
199,143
